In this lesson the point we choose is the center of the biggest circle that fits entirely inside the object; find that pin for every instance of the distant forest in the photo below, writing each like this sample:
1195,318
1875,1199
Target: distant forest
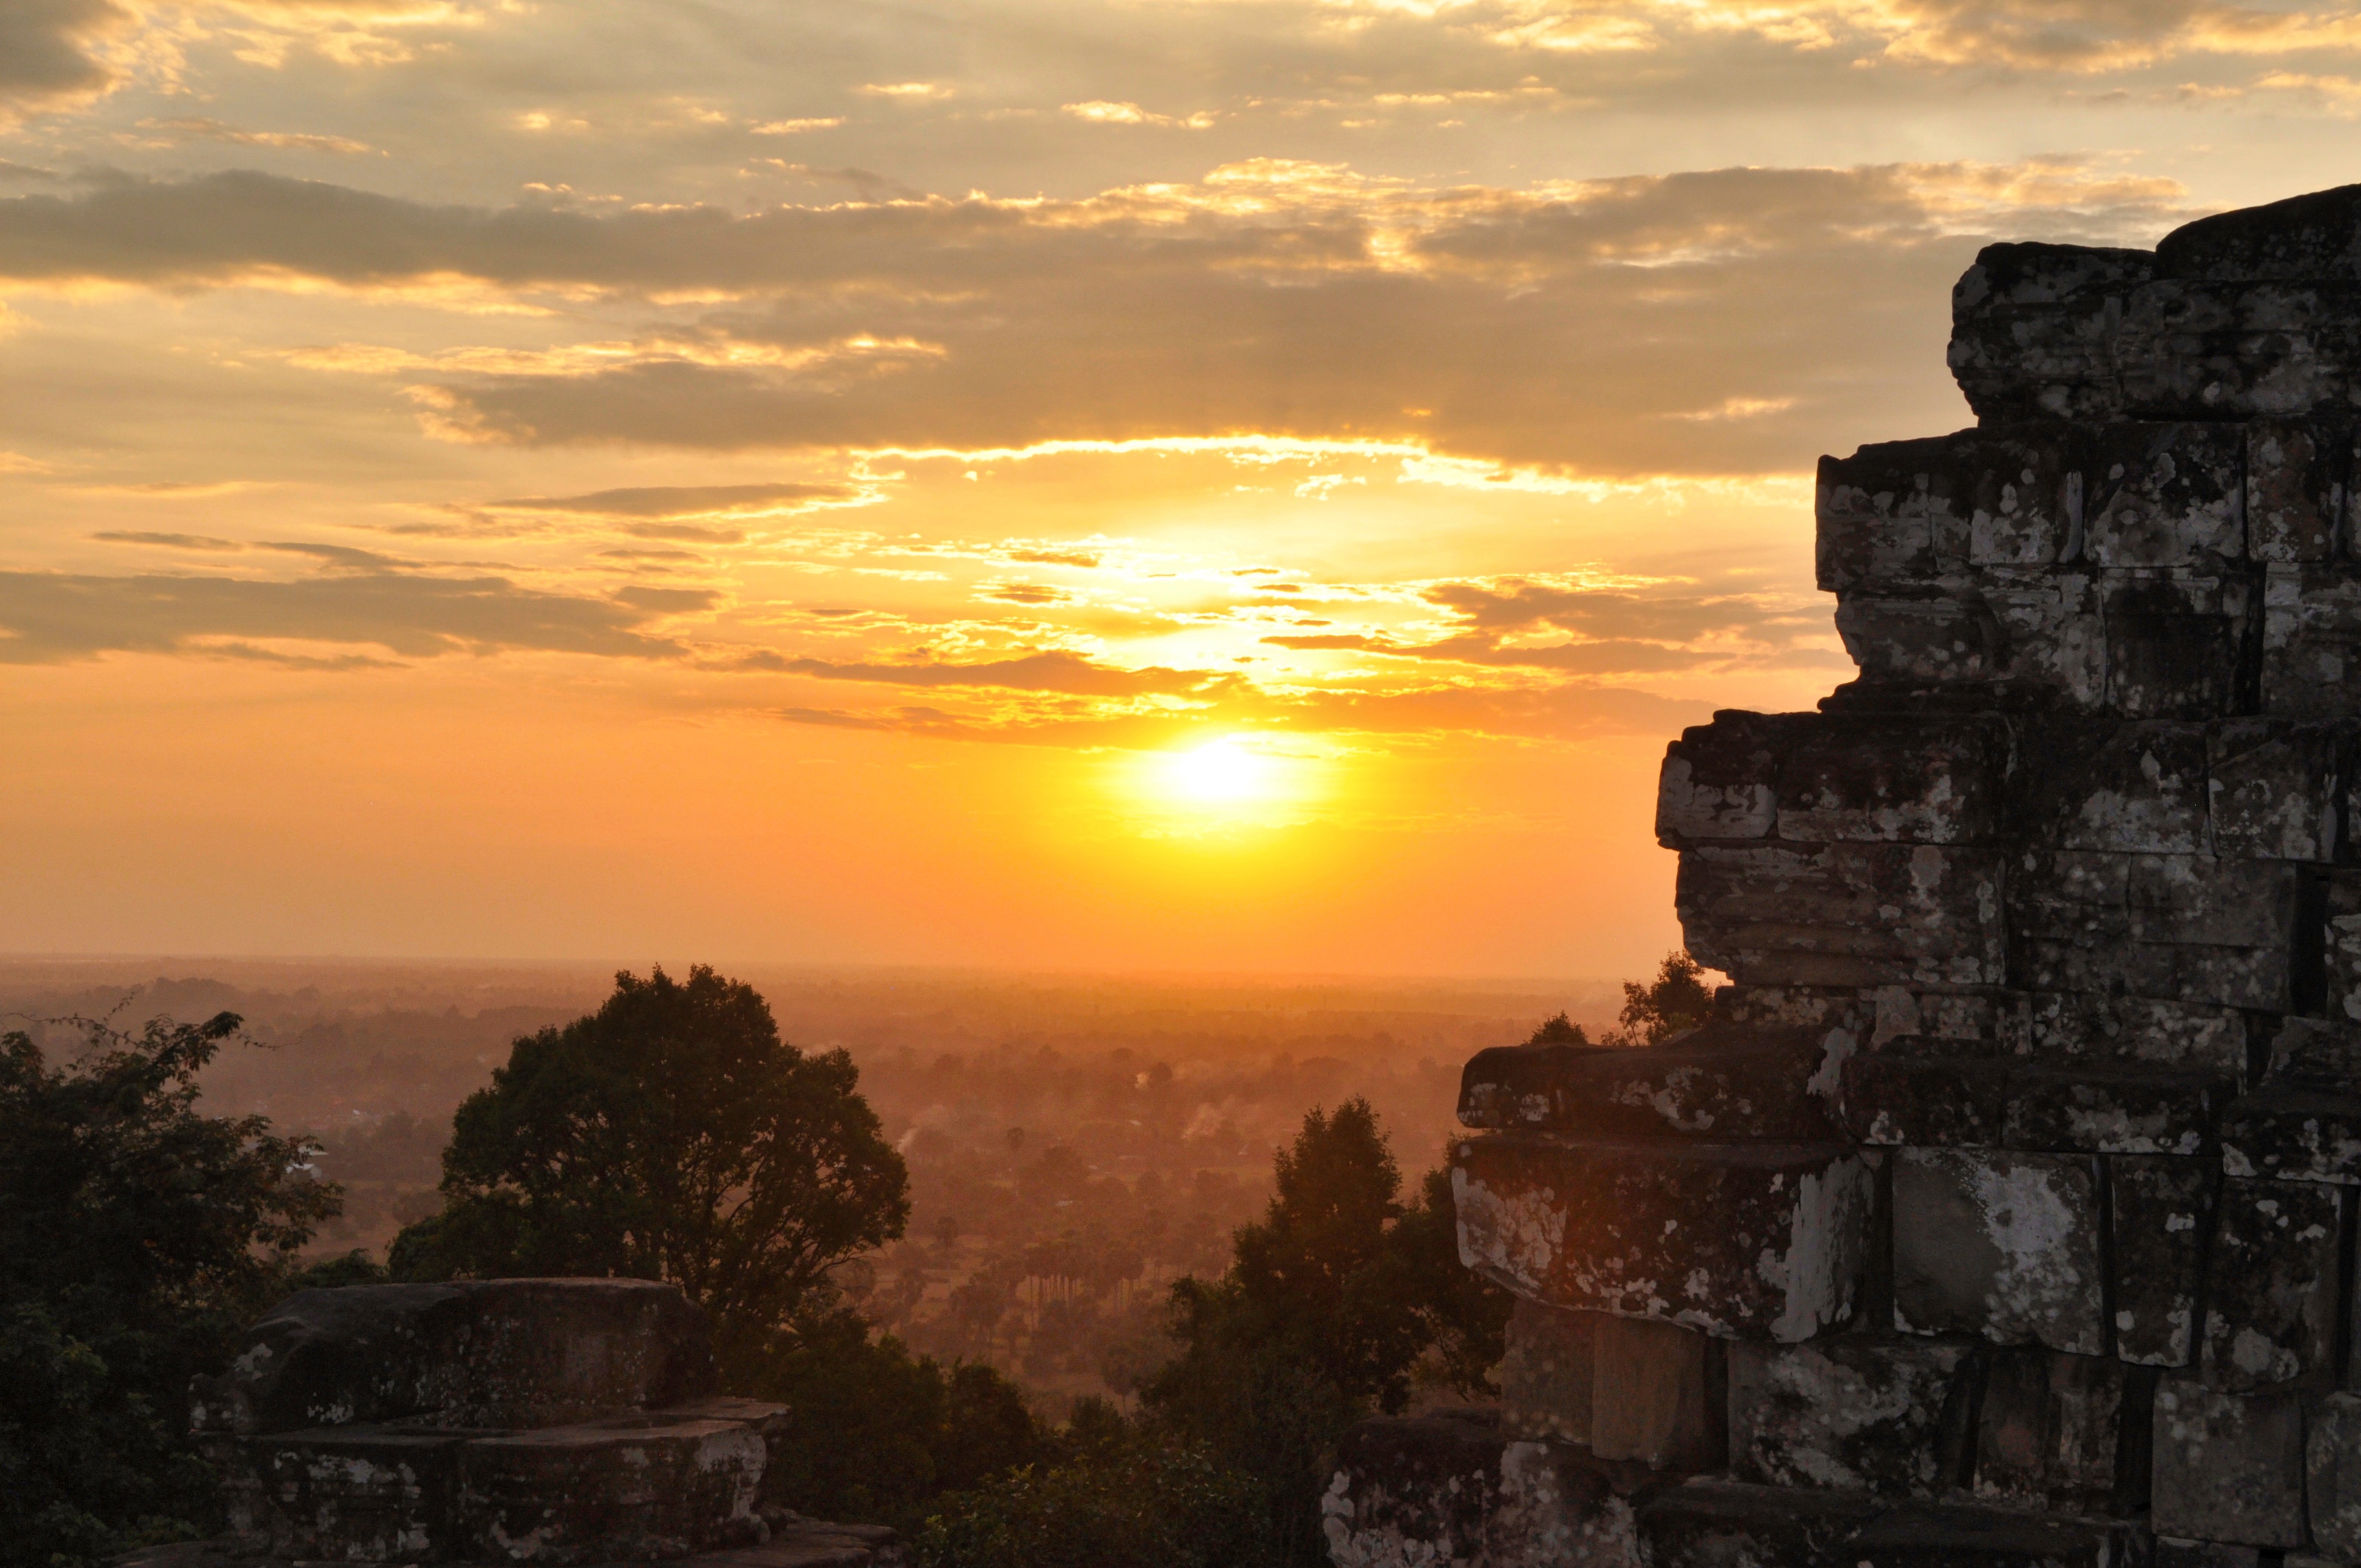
1073,1145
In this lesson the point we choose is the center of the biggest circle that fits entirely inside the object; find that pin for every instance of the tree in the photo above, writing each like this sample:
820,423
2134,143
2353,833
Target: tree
139,1237
1120,1502
671,1134
1330,1301
874,1431
1678,999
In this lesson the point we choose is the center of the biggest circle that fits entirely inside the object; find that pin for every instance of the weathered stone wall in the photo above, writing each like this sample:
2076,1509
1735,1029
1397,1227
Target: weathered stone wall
2004,1213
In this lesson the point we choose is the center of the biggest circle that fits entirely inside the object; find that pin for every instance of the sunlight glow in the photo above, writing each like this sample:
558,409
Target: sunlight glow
1222,772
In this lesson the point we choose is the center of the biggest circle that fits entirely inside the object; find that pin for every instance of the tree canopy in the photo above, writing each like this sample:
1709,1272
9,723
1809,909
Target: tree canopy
139,1236
671,1134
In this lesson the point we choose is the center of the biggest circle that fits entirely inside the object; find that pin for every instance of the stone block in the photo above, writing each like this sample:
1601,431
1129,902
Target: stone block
1907,1094
1979,1023
2177,643
2192,928
2316,1053
1863,915
2136,788
1998,1244
1853,1412
1721,780
1887,515
2274,788
1927,638
2173,1553
2033,328
2272,1285
2097,1026
2293,1132
1656,1396
2163,1214
2312,640
2332,1463
356,1493
2297,471
1558,1506
1545,1373
607,1489
1795,1007
2113,1109
475,1352
2189,349
1712,1523
2302,237
1907,512
1941,1535
2052,628
1413,1490
1757,1240
2229,1468
2051,1428
2213,901
1724,1081
1886,781
2341,946
2165,494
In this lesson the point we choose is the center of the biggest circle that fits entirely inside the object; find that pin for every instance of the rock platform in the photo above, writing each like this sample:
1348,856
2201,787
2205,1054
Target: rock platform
2004,1213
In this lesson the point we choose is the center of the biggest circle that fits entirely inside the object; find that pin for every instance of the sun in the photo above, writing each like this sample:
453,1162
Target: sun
1220,773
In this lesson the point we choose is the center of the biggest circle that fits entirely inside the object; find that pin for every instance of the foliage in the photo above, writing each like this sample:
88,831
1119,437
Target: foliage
1331,1301
1462,1317
671,1134
140,1236
1119,1500
1678,999
876,1431
1559,1030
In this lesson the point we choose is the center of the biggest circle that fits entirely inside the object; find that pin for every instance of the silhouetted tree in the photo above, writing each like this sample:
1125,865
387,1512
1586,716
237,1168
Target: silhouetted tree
137,1236
875,1432
1330,1301
671,1134
1678,999
1560,1030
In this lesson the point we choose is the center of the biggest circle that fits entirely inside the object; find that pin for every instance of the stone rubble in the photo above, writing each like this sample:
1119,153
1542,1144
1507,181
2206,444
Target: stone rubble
2002,1214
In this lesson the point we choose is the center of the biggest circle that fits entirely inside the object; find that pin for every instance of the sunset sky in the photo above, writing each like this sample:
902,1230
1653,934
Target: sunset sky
1238,485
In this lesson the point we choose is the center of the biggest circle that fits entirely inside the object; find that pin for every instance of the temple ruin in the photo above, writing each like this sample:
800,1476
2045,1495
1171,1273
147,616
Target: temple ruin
1999,1217
555,1423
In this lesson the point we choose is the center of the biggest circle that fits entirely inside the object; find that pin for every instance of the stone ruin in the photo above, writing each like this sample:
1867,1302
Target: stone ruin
551,1422
2000,1215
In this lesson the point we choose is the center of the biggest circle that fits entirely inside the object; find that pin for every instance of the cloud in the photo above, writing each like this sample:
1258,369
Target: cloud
1065,673
1566,710
2060,36
1024,593
173,131
169,541
670,502
1564,329
49,52
55,617
1099,112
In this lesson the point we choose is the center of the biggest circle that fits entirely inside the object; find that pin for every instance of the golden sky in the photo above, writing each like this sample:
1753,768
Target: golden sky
1240,484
